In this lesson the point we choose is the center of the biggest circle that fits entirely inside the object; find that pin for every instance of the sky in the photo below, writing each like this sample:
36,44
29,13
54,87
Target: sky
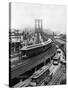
24,15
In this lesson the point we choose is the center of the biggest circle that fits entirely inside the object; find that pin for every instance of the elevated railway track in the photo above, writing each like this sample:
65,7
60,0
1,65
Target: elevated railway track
31,62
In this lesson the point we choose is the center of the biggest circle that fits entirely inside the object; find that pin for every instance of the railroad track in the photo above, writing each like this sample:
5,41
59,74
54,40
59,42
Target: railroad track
53,69
56,77
22,83
40,84
26,82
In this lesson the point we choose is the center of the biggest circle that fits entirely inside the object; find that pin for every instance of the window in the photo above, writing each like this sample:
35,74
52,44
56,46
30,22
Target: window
58,51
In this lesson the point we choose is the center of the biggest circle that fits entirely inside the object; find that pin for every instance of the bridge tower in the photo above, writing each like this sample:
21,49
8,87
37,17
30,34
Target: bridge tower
38,25
38,29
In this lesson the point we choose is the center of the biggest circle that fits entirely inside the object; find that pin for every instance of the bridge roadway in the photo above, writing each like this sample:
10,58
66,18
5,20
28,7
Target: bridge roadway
31,62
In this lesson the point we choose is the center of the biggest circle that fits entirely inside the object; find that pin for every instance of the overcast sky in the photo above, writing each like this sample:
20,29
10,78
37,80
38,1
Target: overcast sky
24,14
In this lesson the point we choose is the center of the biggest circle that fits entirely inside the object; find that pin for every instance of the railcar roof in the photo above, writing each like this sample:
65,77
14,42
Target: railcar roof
36,45
40,71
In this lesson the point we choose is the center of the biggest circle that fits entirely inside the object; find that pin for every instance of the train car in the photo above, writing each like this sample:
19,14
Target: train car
39,75
56,59
59,52
35,49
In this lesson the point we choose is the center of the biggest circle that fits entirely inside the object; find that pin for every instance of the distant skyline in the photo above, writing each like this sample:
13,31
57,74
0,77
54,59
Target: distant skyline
24,14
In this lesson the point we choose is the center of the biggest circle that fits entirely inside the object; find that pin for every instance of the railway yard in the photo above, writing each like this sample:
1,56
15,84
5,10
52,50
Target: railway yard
39,64
59,73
